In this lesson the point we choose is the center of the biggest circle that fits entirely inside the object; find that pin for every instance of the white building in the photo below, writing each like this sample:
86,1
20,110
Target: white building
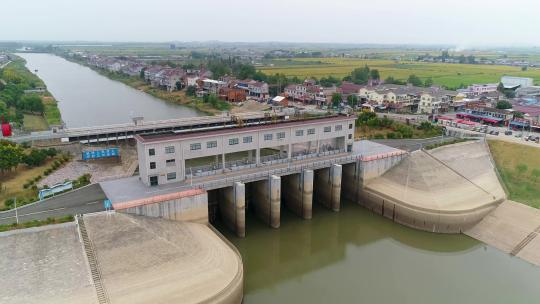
174,157
512,82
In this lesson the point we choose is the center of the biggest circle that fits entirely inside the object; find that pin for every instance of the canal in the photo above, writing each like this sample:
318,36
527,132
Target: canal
355,256
86,98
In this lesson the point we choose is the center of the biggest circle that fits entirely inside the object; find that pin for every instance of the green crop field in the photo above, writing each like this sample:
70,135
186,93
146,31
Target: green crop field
450,75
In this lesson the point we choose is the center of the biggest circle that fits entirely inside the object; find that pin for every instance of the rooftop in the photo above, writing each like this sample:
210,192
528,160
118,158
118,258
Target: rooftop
197,134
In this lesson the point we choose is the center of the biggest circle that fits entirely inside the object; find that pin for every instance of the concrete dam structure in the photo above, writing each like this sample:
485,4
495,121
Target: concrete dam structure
445,190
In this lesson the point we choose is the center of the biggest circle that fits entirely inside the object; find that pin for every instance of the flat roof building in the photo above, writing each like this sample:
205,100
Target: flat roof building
174,157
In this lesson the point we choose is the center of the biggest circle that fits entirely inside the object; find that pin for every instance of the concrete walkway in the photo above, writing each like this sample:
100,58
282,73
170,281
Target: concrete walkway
512,228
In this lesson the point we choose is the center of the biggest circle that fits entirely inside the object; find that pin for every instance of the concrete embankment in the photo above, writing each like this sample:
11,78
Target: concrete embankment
152,260
512,228
446,190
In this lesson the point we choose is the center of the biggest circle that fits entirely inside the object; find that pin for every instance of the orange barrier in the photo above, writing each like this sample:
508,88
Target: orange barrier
157,199
383,155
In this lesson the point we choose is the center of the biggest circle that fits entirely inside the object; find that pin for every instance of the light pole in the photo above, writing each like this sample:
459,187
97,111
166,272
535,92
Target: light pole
16,213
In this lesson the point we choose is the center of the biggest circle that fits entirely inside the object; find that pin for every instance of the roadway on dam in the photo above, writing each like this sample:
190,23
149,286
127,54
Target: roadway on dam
132,188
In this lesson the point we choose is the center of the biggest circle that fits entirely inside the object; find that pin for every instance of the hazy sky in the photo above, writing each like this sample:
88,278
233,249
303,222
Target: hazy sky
460,22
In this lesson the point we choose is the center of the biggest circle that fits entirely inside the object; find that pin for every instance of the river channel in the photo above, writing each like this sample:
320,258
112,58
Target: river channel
86,98
355,256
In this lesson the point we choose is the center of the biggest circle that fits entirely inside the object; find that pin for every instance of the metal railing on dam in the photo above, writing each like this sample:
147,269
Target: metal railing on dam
290,169
127,130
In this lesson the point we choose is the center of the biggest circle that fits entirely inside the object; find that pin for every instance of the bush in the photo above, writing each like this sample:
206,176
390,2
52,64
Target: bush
35,158
378,136
391,135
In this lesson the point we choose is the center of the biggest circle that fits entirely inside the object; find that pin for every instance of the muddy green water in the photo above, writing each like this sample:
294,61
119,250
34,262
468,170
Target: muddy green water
355,256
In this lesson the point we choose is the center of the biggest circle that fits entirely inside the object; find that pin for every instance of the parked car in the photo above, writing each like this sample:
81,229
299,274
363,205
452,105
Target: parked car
507,132
519,135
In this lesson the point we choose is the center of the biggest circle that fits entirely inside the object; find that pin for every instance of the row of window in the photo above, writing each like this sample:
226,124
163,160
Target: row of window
168,150
248,139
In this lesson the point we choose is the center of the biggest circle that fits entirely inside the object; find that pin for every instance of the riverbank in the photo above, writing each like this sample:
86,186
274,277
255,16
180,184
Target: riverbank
176,97
32,110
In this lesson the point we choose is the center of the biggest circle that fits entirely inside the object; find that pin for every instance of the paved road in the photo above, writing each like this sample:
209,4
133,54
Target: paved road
84,200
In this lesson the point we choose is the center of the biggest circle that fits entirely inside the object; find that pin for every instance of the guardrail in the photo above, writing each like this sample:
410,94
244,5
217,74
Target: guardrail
229,181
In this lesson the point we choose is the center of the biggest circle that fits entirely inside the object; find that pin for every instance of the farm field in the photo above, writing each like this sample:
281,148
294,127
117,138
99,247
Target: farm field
449,75
521,175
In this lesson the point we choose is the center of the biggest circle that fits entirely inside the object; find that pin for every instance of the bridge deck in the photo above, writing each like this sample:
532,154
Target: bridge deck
132,188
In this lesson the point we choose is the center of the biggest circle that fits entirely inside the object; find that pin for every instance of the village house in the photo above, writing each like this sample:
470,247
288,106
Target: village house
168,79
308,92
252,88
151,72
211,86
232,94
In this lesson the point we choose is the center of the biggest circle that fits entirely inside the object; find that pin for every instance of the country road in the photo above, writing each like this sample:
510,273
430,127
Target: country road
85,200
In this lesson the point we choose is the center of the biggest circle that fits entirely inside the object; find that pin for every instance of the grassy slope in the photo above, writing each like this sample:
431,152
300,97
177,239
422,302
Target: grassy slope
11,183
451,75
34,123
523,188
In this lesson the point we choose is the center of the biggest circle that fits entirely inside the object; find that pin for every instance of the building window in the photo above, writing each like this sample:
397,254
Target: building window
152,152
170,163
268,136
169,150
350,136
299,132
247,139
327,129
194,147
211,144
152,165
350,126
233,141
311,131
339,127
281,135
171,176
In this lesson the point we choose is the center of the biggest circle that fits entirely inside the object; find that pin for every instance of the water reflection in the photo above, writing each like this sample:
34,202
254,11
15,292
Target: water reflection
336,257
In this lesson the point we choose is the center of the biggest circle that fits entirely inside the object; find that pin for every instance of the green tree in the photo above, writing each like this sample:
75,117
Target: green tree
503,104
191,90
518,114
336,99
521,168
428,83
352,100
360,75
141,74
524,68
10,156
415,81
35,158
374,74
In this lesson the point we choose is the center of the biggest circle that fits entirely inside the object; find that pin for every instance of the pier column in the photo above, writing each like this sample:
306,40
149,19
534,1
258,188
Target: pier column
267,200
328,187
232,207
352,181
298,193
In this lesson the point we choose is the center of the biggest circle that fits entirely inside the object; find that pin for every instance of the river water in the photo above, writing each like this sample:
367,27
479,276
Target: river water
86,98
355,256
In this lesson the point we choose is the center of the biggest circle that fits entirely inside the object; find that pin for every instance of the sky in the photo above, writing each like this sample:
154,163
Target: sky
462,23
